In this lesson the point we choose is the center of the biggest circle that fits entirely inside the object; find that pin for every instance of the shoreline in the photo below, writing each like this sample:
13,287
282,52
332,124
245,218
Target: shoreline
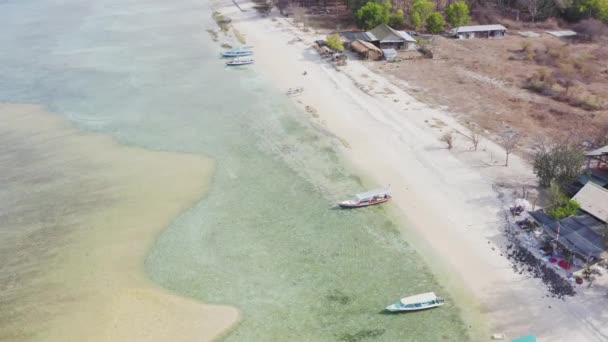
451,198
92,283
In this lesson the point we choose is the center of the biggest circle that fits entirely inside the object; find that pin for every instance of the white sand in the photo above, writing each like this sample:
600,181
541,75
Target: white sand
446,196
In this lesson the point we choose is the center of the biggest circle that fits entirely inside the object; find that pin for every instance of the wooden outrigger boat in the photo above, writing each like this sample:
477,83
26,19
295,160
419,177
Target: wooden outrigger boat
240,61
418,302
367,198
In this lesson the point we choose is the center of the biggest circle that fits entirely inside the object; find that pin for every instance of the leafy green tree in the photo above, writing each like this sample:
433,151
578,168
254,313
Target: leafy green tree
397,20
594,8
435,23
423,8
457,14
373,14
415,20
560,162
335,42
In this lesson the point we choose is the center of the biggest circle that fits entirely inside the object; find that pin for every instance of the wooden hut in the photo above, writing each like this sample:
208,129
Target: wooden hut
366,49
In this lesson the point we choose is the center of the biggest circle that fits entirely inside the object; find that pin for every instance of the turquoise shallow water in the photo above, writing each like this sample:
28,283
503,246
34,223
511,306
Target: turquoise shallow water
265,238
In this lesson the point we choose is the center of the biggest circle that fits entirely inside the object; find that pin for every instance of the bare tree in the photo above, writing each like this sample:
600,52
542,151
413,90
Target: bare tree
509,139
538,8
474,137
299,15
448,139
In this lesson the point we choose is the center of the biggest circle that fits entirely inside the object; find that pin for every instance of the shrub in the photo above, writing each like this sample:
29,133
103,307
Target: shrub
416,20
335,42
541,83
590,30
568,208
448,139
372,14
435,23
397,20
559,162
457,13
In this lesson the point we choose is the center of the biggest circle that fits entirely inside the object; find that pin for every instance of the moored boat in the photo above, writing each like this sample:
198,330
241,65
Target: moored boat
238,52
367,198
240,61
417,302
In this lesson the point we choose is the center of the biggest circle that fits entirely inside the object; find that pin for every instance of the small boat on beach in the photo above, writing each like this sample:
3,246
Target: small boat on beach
238,52
240,61
417,302
367,198
294,91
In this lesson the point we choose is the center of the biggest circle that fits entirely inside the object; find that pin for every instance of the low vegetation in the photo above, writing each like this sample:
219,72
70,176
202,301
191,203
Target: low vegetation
448,139
566,209
335,42
565,73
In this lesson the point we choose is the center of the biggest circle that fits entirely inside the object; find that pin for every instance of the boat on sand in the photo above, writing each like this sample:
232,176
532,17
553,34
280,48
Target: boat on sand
417,302
240,61
367,198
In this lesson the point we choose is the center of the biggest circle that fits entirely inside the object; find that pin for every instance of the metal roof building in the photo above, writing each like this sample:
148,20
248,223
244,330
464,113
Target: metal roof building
594,200
485,31
581,234
385,37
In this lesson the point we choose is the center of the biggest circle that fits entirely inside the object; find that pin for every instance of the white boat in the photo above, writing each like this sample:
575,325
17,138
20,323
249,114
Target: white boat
240,61
293,91
418,302
238,52
367,198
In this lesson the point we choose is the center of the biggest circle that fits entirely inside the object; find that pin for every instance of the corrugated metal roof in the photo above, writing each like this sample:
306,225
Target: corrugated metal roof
599,152
385,33
564,33
594,200
479,28
581,234
351,36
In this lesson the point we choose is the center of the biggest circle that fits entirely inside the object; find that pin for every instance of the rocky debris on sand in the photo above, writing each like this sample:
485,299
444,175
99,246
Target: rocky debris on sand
524,262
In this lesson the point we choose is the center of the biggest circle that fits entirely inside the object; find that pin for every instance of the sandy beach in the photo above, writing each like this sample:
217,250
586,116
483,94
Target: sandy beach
91,209
452,201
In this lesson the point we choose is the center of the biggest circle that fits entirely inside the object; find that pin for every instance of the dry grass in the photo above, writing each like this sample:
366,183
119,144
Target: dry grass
483,80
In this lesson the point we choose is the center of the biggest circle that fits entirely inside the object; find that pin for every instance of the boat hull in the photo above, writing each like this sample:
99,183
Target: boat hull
240,54
238,63
347,205
397,308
